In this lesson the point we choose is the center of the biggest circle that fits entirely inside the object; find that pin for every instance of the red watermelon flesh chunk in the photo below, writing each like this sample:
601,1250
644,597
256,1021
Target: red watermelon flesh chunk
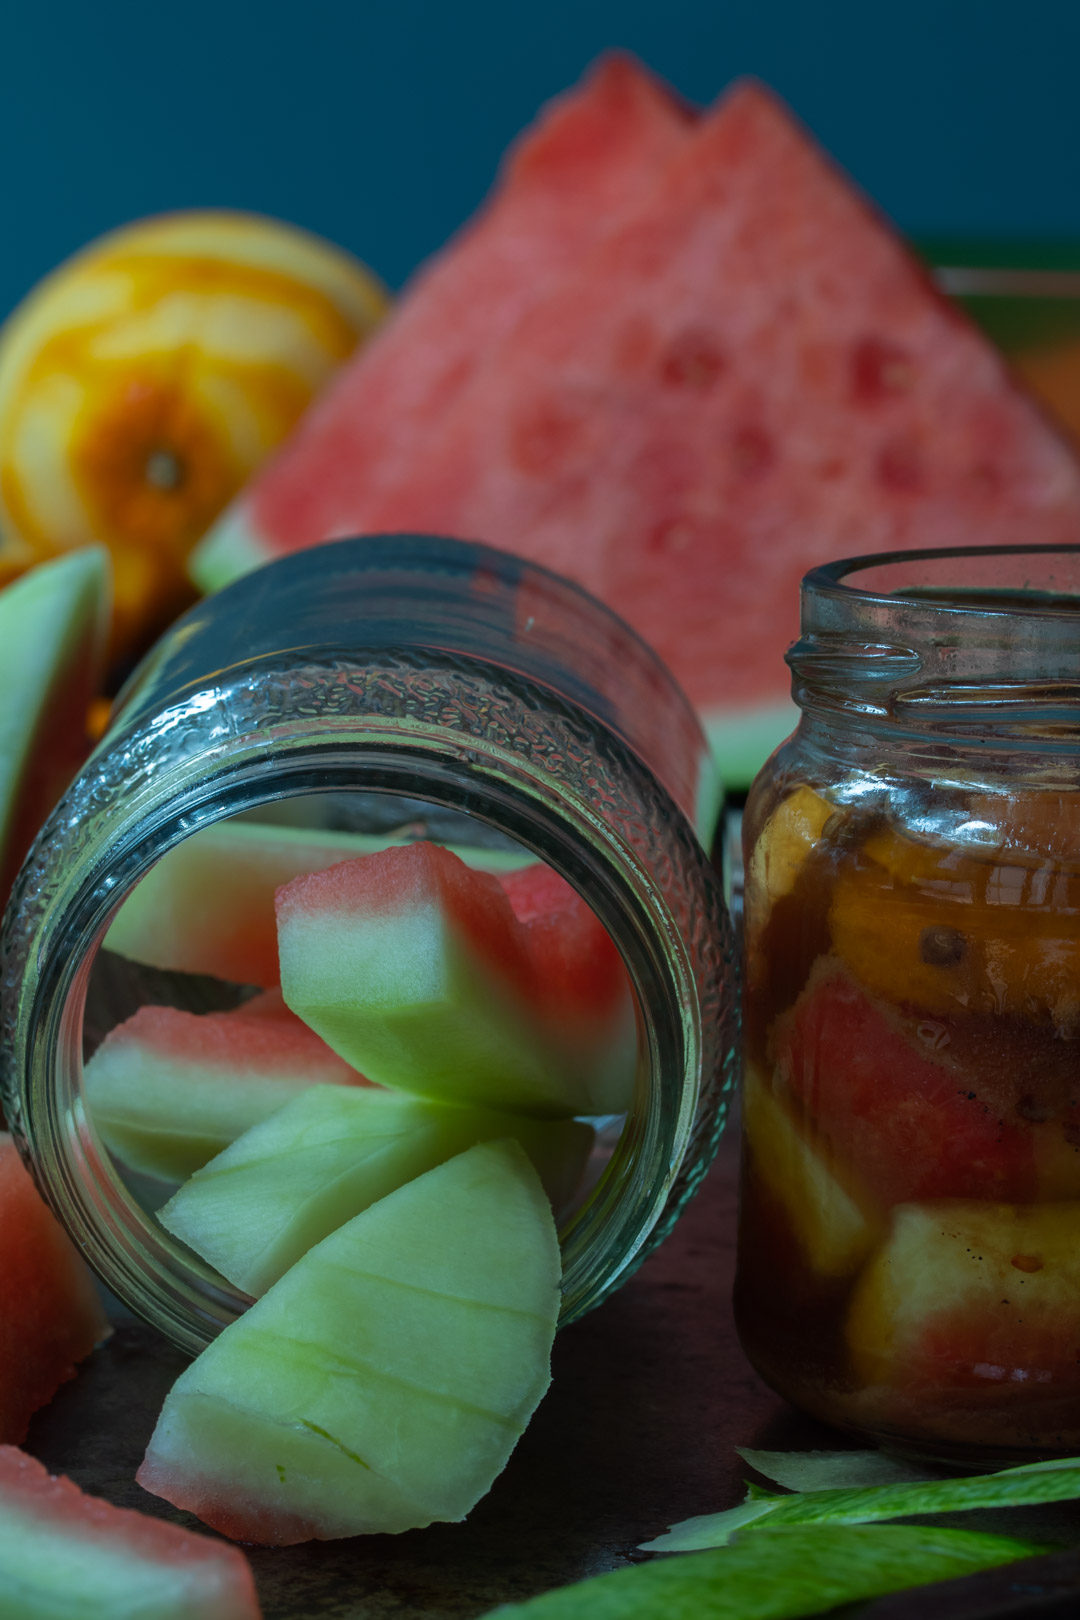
581,167
50,1313
64,1552
578,969
415,966
896,1124
748,375
169,1089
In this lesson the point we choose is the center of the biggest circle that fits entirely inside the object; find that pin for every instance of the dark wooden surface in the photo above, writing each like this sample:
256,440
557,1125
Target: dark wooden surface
650,1396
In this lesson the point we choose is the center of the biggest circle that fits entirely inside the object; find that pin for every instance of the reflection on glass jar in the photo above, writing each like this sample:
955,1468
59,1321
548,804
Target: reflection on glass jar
909,1251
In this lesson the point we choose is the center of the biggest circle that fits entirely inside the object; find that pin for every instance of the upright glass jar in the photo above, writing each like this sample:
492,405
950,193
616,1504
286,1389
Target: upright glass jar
909,1243
451,678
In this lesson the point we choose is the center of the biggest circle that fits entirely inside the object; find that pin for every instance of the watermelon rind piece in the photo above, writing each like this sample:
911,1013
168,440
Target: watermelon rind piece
65,1554
53,624
286,1184
168,1089
832,1228
969,1293
227,552
416,970
51,1316
383,1382
207,906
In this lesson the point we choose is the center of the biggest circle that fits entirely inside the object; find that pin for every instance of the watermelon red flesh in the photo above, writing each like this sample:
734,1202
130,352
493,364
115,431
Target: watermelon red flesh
59,1547
746,377
50,1314
583,166
577,967
898,1125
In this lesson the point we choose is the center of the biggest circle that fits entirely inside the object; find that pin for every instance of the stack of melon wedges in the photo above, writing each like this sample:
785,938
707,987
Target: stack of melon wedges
375,1151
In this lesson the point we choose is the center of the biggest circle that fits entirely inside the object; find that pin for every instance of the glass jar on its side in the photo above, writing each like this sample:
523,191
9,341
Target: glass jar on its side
431,671
909,1243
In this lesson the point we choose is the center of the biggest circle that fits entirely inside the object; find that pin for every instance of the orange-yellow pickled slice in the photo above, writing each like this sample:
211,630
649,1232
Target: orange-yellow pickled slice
783,845
947,929
144,381
833,1229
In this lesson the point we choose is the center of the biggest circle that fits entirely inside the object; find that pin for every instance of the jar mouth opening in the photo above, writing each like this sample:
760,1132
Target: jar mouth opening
998,583
649,1146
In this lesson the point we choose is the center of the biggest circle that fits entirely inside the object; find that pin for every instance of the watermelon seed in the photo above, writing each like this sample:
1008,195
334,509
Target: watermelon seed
752,452
879,371
692,360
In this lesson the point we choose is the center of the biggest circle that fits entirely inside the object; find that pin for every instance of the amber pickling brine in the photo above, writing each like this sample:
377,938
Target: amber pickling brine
909,1247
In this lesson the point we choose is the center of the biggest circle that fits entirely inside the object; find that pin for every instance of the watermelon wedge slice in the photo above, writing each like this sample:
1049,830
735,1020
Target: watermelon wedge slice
334,1150
208,905
740,375
51,1317
169,1089
53,622
416,968
65,1553
383,1382
585,161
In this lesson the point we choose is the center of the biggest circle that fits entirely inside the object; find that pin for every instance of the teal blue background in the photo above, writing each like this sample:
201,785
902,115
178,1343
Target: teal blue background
381,125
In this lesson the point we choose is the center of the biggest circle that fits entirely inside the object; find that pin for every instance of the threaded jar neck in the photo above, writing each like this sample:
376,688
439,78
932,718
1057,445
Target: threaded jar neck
971,648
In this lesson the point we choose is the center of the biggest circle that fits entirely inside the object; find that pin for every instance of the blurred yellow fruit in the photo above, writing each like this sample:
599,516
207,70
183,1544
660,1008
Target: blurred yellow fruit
144,381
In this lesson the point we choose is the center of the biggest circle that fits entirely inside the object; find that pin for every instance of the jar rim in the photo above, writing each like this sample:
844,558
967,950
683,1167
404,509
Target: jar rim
831,579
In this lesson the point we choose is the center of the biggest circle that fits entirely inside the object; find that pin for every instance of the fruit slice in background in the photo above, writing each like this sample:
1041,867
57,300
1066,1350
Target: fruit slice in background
52,637
144,381
169,1089
580,168
65,1553
384,1381
747,374
415,968
286,1184
50,1314
208,905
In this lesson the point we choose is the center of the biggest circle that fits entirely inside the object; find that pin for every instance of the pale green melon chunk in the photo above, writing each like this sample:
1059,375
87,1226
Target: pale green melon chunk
330,1153
383,1382
169,1089
53,622
416,970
